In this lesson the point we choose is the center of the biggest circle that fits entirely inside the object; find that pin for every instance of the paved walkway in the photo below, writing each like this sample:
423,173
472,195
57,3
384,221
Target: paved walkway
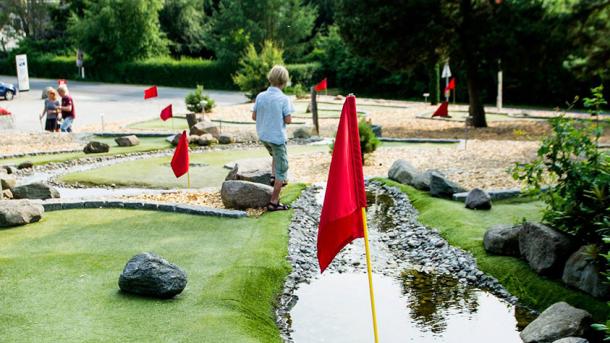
117,102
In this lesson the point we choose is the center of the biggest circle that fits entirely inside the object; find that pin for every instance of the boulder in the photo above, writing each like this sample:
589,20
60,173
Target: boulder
226,139
583,272
422,180
377,130
339,97
191,119
6,194
175,138
403,172
440,186
502,240
19,212
478,199
36,190
571,340
7,181
94,147
262,176
205,127
559,320
545,249
302,133
206,139
131,140
25,165
244,194
151,275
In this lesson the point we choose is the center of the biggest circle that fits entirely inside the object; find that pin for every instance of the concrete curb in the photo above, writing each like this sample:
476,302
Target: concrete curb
420,140
36,153
138,134
60,204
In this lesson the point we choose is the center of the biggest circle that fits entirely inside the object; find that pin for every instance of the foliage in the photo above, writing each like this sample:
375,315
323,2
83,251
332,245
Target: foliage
198,102
368,141
183,23
297,90
253,68
32,17
238,23
577,198
114,31
606,326
306,74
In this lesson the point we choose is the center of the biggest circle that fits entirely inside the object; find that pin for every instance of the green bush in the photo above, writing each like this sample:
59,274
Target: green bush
578,172
198,102
368,141
306,74
253,68
297,90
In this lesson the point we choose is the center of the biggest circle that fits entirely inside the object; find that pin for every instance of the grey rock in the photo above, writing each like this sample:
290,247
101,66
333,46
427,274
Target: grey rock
206,139
502,240
191,119
402,171
7,170
478,199
584,273
175,138
422,180
558,321
151,275
6,194
205,127
131,140
19,212
377,130
94,147
25,165
253,175
36,190
244,194
226,139
440,186
302,133
7,181
545,249
571,340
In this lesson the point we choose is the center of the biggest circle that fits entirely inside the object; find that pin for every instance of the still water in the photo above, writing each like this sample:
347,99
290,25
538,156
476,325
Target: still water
418,308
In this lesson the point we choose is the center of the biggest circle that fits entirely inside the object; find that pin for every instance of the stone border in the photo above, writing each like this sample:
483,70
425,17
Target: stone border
59,204
37,153
420,140
497,194
138,134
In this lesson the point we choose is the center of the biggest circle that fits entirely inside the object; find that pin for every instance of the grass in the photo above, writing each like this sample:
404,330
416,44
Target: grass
156,172
146,144
59,277
465,229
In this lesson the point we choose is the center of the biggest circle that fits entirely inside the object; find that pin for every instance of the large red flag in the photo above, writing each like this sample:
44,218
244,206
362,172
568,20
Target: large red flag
341,220
150,92
180,161
442,110
450,85
166,113
320,86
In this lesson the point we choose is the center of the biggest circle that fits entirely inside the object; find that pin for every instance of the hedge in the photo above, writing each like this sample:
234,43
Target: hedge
163,71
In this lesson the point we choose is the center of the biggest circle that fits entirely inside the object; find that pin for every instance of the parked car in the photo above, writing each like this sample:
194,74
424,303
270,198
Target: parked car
8,90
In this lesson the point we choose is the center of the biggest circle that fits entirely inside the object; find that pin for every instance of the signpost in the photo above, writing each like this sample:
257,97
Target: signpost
79,63
499,98
22,72
446,74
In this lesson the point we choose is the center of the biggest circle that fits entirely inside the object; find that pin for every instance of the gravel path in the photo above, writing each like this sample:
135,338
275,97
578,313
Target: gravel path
398,243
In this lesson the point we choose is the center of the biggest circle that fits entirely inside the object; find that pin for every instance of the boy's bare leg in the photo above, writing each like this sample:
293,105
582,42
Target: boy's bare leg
273,166
277,188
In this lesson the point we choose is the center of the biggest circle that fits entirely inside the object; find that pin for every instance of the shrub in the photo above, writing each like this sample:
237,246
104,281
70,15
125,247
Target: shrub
253,68
198,102
306,74
368,141
579,175
297,90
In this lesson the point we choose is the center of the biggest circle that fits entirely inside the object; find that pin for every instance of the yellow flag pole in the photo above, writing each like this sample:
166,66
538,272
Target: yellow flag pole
188,179
370,274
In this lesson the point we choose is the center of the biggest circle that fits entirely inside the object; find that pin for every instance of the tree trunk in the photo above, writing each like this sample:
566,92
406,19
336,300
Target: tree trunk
435,85
475,109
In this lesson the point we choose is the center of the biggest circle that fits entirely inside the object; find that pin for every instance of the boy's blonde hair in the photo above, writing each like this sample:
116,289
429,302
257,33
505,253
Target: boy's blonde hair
278,76
63,89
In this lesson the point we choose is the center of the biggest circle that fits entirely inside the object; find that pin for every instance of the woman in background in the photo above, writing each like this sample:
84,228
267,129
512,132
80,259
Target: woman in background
52,110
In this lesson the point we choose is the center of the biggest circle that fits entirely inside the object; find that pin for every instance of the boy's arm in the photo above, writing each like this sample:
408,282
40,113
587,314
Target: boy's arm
287,111
254,115
288,119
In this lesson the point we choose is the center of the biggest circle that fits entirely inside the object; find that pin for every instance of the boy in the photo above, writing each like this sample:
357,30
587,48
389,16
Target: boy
272,111
68,113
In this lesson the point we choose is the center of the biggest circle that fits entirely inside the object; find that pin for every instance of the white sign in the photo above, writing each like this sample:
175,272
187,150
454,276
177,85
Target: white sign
22,72
446,71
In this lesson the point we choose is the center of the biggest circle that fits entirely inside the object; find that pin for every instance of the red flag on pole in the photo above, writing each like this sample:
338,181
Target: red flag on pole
150,92
341,220
450,85
180,161
320,86
442,110
166,113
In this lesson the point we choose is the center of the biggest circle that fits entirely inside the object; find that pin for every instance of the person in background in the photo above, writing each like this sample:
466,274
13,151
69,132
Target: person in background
51,109
68,113
272,111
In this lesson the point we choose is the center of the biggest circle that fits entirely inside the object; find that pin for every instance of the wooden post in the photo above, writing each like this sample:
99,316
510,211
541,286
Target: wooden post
314,110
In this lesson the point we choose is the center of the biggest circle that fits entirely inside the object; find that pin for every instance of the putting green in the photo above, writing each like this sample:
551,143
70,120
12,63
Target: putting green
59,277
208,170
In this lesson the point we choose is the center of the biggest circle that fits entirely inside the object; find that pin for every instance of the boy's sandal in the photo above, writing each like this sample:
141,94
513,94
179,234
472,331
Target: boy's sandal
271,207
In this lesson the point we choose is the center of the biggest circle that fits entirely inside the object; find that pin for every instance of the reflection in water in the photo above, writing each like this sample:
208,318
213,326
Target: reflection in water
423,308
379,204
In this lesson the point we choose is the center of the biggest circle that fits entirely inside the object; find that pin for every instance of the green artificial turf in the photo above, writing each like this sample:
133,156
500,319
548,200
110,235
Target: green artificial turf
59,277
157,173
146,144
465,228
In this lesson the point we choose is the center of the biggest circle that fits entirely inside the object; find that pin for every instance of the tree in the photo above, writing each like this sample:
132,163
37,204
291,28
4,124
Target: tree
120,30
253,68
32,16
238,23
183,23
404,34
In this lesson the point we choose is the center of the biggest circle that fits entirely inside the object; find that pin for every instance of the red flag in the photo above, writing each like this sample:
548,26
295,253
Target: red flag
450,85
4,112
442,110
150,92
320,86
180,161
341,220
166,113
